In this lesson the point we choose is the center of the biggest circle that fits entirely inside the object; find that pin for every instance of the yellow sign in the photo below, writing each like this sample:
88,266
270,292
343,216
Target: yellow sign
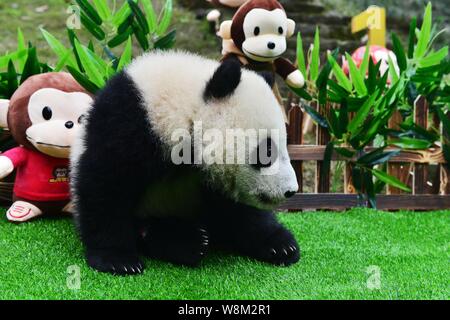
373,19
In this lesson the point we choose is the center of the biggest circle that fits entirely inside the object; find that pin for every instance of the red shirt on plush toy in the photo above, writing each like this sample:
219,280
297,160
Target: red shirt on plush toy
43,116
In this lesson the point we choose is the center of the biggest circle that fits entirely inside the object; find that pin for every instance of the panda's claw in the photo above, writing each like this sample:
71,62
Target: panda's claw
114,262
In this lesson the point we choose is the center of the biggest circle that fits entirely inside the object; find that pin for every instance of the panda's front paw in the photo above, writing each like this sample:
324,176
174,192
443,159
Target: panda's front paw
114,262
281,249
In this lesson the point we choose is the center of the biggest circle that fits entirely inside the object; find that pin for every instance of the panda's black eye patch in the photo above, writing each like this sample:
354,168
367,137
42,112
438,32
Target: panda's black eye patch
280,30
257,31
47,113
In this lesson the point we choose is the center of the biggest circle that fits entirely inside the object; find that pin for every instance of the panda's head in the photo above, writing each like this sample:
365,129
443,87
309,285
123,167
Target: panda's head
244,135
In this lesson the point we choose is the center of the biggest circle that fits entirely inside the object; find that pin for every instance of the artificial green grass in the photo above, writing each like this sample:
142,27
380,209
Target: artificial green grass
410,249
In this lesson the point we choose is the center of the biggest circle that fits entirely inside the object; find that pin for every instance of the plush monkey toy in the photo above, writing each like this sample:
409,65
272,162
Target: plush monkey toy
257,37
43,116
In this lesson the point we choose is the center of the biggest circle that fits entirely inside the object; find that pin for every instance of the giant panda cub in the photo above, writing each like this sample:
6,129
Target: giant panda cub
133,199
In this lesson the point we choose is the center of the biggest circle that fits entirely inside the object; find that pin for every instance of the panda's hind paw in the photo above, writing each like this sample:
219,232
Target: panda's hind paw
115,263
182,246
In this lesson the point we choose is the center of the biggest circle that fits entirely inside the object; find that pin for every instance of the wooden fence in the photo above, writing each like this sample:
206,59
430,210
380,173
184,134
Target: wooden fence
424,171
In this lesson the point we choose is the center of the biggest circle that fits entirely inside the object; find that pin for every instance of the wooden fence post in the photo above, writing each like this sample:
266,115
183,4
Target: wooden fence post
295,135
420,179
322,138
402,171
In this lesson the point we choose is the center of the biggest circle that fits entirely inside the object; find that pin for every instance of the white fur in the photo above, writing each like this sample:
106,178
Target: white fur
172,85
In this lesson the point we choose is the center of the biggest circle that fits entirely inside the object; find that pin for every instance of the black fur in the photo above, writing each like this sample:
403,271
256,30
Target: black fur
123,158
224,81
268,77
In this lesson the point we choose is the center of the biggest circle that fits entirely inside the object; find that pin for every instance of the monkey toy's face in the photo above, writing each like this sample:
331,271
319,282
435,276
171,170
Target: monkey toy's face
55,117
265,34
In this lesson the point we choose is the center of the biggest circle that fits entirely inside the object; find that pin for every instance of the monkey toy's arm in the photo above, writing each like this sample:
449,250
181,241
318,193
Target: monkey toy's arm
6,167
289,73
10,160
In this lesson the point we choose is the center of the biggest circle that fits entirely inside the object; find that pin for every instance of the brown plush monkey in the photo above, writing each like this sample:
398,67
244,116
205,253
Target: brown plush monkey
257,37
43,116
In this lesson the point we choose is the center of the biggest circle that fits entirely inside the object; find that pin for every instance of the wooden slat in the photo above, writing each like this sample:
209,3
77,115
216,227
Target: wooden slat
334,201
401,171
420,179
322,138
445,168
316,153
295,136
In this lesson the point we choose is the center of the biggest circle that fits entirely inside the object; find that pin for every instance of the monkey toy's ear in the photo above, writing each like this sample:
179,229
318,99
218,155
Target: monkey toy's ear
225,30
291,28
4,106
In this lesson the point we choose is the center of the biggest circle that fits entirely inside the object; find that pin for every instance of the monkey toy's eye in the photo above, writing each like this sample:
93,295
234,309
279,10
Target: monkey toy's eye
257,31
280,30
47,113
81,119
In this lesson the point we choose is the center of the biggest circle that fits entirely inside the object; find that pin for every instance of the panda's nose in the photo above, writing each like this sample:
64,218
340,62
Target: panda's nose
69,124
271,45
289,194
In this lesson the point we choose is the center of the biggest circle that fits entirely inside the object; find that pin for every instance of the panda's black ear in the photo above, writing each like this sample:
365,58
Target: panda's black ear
268,77
224,81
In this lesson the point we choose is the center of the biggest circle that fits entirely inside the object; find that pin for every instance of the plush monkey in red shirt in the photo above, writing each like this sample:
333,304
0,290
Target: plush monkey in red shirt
43,116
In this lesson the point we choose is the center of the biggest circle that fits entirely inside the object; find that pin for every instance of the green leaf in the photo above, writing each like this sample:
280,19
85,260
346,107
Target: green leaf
140,36
345,152
357,79
12,79
362,114
399,52
83,80
412,37
4,60
90,11
392,71
103,10
322,79
125,59
383,176
333,124
140,17
93,28
339,74
167,14
31,67
21,45
301,92
425,33
152,20
89,65
301,55
365,62
411,143
343,116
434,58
374,70
317,117
120,38
166,42
57,47
377,157
121,15
315,57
